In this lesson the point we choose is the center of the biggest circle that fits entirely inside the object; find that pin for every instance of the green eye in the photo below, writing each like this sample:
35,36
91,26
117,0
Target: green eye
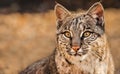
67,34
86,34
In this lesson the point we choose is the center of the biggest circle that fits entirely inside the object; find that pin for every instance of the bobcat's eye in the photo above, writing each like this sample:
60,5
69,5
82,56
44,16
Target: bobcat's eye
86,34
67,34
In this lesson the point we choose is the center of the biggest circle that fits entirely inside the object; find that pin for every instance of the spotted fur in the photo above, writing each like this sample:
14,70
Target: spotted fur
81,45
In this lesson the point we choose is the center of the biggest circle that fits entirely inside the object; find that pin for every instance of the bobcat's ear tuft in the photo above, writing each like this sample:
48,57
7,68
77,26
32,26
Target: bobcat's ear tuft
96,10
61,12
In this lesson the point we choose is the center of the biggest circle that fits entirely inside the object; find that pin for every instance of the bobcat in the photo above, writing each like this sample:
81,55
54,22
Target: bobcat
81,45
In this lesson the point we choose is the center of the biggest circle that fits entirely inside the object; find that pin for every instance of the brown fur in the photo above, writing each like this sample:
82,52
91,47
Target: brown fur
92,54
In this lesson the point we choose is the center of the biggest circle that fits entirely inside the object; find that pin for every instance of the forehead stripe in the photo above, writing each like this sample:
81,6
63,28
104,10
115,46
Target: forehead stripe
77,23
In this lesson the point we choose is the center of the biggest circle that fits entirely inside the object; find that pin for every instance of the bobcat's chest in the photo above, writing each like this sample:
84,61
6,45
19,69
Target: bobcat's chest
89,66
93,67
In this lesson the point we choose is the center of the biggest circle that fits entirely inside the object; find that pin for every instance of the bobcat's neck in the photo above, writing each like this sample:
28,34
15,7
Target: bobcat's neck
64,66
88,66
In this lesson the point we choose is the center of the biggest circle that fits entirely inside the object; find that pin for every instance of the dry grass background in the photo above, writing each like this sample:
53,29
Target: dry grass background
25,38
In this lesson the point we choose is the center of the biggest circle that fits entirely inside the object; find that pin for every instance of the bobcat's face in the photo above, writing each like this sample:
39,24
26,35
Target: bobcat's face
78,33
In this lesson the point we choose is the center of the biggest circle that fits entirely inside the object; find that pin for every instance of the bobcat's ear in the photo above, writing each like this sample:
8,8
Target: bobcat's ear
97,12
61,12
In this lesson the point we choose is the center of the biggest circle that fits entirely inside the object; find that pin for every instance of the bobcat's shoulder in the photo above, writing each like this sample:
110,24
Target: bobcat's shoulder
43,66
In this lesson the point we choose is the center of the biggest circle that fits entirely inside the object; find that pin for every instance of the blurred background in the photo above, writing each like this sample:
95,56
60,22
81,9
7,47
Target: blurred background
27,30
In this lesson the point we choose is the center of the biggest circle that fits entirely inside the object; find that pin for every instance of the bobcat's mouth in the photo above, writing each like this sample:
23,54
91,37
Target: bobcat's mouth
80,52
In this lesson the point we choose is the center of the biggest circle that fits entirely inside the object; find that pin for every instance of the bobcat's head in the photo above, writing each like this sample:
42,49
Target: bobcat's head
80,34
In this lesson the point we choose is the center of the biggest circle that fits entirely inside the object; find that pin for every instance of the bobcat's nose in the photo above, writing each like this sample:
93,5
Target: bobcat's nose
75,48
